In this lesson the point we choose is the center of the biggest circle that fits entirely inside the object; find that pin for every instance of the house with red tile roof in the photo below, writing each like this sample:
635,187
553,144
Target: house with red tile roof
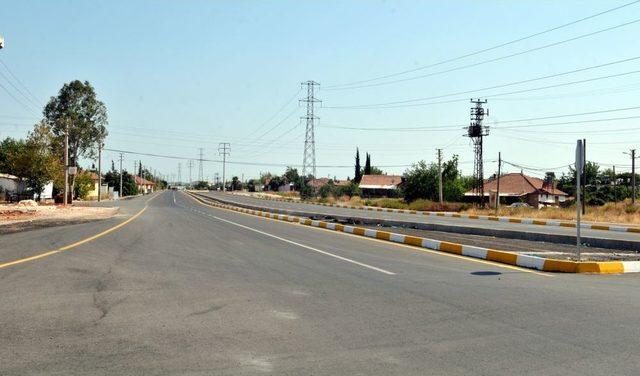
380,185
144,186
518,187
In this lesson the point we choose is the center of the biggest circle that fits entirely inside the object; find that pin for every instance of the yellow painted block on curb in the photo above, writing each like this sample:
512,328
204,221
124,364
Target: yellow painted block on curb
504,257
560,266
413,240
383,235
451,247
358,231
601,267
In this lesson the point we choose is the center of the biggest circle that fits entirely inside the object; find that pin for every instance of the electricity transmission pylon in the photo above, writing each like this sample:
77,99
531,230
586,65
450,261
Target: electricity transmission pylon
309,158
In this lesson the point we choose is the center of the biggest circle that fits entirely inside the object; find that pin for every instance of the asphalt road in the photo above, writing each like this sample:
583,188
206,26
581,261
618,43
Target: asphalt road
328,210
187,289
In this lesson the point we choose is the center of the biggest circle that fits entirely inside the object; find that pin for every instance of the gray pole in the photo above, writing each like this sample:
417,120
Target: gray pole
584,177
120,193
66,163
615,188
440,176
579,168
633,176
99,170
498,188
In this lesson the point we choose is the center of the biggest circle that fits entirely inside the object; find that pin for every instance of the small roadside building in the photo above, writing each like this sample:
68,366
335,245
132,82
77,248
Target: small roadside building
517,187
144,186
93,192
380,185
12,188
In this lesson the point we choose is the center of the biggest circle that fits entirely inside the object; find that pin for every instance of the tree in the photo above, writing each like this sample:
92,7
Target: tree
291,176
367,165
84,184
77,108
236,184
421,181
9,149
376,171
33,160
358,175
129,187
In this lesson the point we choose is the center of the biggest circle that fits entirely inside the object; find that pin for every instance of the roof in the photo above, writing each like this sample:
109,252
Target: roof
142,181
317,183
380,181
518,184
91,174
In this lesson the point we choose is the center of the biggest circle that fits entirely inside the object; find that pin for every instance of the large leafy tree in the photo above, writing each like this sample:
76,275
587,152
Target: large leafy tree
421,181
77,108
33,160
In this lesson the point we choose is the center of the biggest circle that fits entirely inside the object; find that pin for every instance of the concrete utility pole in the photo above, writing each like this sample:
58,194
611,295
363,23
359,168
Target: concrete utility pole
66,163
440,176
584,177
100,146
120,193
632,153
224,149
579,170
498,182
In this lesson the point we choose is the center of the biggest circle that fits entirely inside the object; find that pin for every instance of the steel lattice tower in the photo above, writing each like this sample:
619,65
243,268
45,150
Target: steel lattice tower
476,132
309,158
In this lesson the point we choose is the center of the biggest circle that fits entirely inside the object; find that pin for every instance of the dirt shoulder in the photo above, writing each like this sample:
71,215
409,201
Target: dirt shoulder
16,217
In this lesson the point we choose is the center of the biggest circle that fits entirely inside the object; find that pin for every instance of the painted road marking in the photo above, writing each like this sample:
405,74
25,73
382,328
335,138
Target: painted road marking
80,242
348,231
302,245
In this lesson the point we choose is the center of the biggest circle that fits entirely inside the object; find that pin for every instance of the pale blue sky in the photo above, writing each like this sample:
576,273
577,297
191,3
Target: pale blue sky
180,75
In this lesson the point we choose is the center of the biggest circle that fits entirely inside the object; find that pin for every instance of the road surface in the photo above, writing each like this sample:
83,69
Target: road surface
186,289
475,223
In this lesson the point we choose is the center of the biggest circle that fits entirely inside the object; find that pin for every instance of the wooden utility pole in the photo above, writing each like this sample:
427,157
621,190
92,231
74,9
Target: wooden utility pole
100,145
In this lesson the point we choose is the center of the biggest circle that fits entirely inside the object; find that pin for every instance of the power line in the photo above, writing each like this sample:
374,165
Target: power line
36,99
278,112
485,49
384,106
503,85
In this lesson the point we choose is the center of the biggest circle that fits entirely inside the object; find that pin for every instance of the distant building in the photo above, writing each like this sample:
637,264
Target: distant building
380,185
93,192
12,188
144,186
320,182
517,187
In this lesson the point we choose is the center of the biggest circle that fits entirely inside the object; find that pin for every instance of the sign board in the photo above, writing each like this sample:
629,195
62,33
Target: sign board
72,170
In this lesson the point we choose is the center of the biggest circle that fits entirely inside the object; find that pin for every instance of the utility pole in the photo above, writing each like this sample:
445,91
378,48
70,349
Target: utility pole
476,132
179,173
200,170
100,146
440,176
66,163
190,165
584,177
309,157
120,192
615,188
498,183
580,162
632,153
224,149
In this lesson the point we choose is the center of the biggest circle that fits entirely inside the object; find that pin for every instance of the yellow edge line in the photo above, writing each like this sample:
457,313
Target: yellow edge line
80,242
387,242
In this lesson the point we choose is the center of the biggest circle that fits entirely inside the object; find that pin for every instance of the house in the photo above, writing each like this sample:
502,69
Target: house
12,188
92,194
320,182
144,186
380,185
517,187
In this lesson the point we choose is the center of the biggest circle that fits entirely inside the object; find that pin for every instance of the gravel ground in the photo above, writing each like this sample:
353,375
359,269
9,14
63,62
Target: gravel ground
15,218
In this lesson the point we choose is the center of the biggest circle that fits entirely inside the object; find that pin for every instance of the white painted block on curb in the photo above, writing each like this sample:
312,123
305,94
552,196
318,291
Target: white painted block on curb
370,233
398,238
530,262
631,266
477,252
430,243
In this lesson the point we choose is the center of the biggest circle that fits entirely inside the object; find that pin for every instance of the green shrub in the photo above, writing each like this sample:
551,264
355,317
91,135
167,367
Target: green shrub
631,209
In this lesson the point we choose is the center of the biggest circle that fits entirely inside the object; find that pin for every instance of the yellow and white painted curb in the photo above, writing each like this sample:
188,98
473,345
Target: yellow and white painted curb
504,257
524,221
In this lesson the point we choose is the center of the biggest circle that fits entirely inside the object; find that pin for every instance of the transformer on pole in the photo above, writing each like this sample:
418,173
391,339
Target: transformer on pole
309,158
476,132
